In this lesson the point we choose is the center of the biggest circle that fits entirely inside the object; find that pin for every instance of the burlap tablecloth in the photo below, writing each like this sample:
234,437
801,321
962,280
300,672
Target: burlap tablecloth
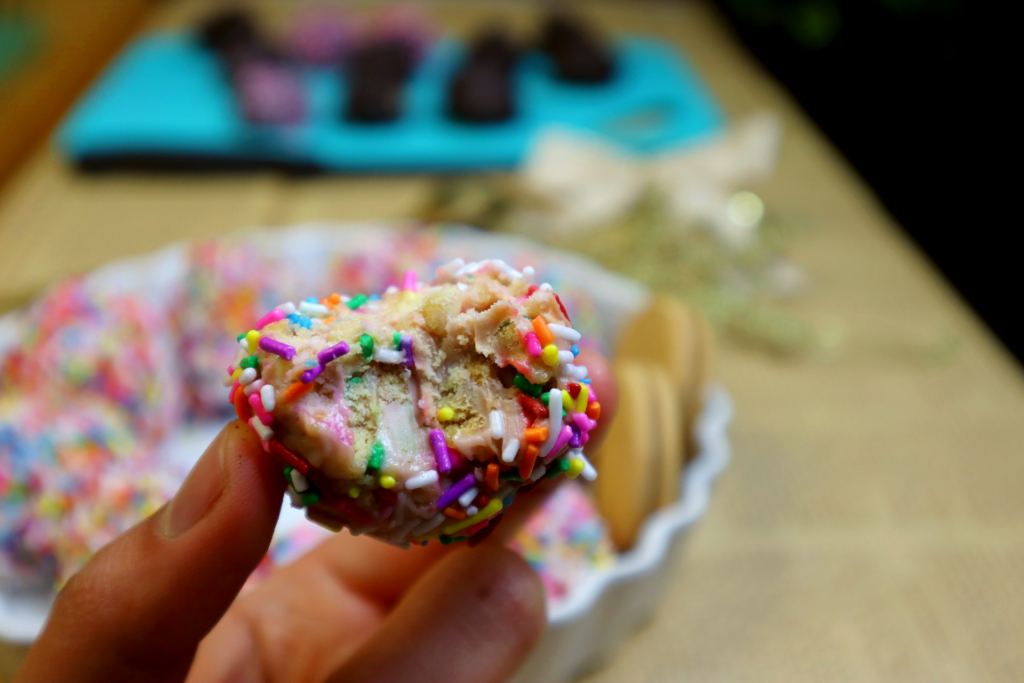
871,526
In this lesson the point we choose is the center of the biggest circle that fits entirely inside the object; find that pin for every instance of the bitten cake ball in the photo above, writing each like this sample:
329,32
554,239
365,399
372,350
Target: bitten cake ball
417,415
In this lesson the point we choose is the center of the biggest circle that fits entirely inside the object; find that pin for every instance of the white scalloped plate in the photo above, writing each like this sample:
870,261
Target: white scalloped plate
608,606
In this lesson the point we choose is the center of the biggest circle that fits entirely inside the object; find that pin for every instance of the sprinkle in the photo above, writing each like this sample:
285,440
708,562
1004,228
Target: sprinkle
272,317
335,299
491,478
310,499
445,414
524,385
554,420
332,353
397,340
564,436
566,401
493,508
277,348
594,411
388,356
248,375
456,490
407,350
577,372
574,390
563,332
252,340
577,437
454,513
376,457
263,431
429,525
529,273
421,480
356,301
440,446
508,454
366,346
311,374
584,422
295,391
268,397
536,434
497,425
242,408
299,482
472,510
257,407
387,481
538,473
575,350
550,355
313,309
236,374
575,468
466,499
354,492
543,331
526,465
243,344
253,387
409,281
558,467
300,320
533,346
287,308
581,400
532,405
565,357
252,361
288,457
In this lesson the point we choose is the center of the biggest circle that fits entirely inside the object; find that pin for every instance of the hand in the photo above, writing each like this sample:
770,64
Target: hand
159,603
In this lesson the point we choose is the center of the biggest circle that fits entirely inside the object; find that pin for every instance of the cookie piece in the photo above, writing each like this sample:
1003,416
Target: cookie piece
626,492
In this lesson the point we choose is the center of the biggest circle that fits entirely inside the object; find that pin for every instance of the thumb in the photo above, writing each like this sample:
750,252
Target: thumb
471,618
139,608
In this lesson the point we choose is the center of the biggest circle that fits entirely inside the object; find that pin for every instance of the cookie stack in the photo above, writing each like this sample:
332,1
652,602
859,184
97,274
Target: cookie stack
662,366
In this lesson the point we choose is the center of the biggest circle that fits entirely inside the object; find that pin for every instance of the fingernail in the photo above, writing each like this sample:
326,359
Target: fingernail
201,489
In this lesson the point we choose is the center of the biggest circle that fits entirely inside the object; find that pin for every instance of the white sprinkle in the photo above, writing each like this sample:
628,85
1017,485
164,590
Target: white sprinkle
462,286
589,473
547,287
287,308
269,397
402,532
310,308
454,264
299,482
565,357
471,510
466,498
497,425
228,380
511,449
253,386
248,376
563,332
429,525
554,420
391,290
421,480
296,499
528,274
244,343
574,371
382,355
469,268
538,472
262,430
506,270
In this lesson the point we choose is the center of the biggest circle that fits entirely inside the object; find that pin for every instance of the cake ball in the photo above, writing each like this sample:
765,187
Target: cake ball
418,414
